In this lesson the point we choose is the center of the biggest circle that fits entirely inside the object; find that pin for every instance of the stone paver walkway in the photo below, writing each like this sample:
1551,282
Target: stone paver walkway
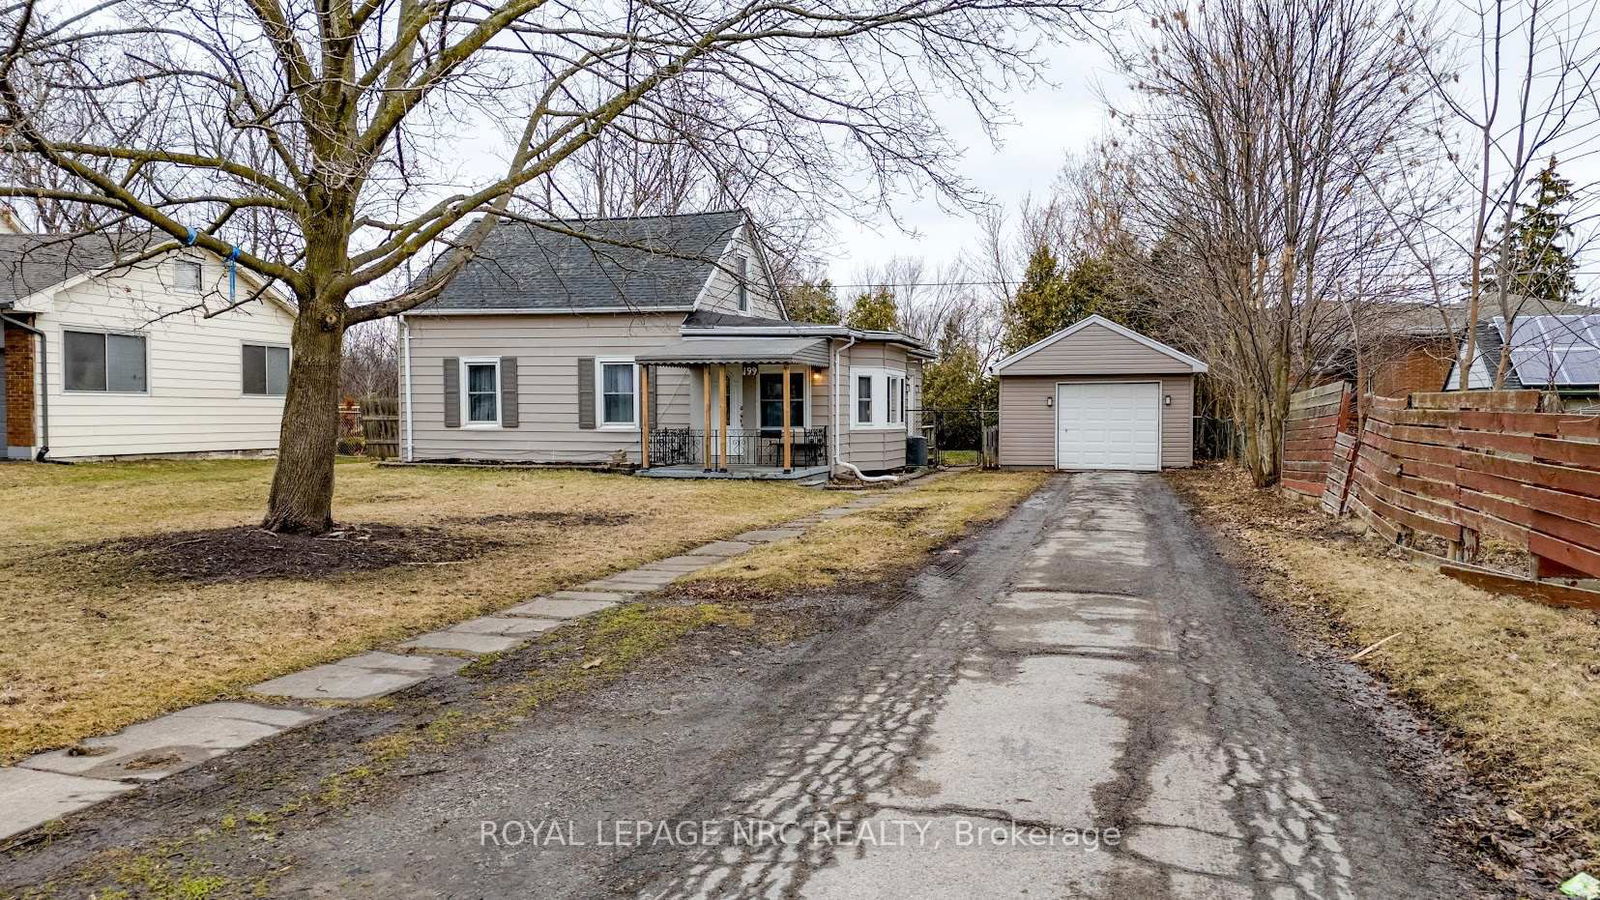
53,784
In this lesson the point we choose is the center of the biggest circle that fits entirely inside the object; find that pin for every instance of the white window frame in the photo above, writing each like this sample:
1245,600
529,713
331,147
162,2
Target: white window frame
882,380
600,422
499,393
270,346
182,264
895,395
104,332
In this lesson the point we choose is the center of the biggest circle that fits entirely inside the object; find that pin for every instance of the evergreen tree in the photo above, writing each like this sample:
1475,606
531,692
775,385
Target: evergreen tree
956,385
1040,305
1049,299
1532,259
811,301
874,310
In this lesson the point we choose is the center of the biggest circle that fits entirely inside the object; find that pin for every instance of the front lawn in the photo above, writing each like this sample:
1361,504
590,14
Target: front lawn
121,595
894,535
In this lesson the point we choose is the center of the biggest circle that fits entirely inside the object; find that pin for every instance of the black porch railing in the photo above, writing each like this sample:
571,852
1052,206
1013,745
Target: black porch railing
746,447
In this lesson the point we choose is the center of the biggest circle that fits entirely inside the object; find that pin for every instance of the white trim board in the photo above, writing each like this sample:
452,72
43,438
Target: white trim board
1195,365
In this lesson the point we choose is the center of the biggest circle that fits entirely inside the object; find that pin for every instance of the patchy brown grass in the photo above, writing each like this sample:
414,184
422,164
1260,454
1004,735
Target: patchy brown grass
90,641
896,534
1517,682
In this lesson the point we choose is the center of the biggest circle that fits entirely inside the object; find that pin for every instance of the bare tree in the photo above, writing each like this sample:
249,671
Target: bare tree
325,141
1266,132
371,361
1530,92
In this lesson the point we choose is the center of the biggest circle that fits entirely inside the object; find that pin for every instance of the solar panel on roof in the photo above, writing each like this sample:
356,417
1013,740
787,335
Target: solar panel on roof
1559,351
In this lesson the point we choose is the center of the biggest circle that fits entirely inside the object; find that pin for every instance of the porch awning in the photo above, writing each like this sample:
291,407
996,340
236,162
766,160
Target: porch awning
716,351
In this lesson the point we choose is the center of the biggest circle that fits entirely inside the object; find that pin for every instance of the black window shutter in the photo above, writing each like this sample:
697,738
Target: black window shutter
585,392
508,392
452,392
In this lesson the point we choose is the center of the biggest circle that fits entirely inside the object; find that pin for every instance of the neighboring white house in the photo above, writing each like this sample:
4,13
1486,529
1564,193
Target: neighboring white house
129,364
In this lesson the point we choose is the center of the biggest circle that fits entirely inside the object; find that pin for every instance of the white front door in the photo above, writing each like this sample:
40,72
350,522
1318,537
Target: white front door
1108,425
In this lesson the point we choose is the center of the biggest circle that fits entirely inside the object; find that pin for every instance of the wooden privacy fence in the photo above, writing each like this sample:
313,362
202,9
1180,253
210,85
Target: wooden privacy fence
1316,418
1464,465
380,426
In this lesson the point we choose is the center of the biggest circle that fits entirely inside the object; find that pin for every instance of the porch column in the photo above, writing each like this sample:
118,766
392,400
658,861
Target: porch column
722,414
705,423
644,417
788,436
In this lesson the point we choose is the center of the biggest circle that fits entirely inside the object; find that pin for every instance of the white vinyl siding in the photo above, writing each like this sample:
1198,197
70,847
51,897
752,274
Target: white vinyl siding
190,400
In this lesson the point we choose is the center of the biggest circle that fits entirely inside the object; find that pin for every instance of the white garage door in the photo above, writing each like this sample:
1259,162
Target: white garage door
1108,425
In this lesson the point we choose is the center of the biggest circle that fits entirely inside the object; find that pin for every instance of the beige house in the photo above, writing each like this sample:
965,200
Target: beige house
656,342
1097,395
109,352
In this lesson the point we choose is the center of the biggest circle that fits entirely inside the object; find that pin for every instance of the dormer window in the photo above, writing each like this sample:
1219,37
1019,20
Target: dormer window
186,275
741,270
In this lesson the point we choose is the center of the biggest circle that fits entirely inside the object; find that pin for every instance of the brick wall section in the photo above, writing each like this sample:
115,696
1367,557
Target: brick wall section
1420,369
19,377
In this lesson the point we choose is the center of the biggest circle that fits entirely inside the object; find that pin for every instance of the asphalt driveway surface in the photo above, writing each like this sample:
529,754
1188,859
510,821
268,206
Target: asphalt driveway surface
1080,701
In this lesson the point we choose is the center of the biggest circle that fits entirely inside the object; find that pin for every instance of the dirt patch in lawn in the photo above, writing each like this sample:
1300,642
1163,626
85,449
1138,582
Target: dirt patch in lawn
558,519
1510,685
221,555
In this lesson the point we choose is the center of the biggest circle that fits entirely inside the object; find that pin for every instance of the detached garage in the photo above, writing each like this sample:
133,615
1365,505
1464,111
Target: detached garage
1097,395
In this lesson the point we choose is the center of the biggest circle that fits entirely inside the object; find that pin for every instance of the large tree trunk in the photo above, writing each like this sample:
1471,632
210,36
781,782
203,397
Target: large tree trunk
301,501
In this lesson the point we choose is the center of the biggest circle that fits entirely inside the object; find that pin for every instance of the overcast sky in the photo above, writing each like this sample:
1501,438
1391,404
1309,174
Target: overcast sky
1052,119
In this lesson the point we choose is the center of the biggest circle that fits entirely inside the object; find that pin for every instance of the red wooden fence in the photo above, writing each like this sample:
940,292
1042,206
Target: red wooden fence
1462,465
1316,418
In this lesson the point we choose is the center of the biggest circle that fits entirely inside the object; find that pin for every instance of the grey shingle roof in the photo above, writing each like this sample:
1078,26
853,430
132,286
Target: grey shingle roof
653,262
1424,319
29,263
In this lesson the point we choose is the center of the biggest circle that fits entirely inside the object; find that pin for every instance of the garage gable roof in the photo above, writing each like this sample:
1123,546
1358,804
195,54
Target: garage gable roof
1189,362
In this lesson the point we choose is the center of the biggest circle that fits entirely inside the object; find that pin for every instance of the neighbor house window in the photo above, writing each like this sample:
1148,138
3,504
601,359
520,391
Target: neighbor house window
480,389
741,270
96,361
618,387
864,400
896,395
186,275
266,370
771,389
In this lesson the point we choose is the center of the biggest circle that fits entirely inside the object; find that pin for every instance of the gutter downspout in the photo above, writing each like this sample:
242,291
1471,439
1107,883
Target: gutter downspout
408,452
838,431
44,384
838,427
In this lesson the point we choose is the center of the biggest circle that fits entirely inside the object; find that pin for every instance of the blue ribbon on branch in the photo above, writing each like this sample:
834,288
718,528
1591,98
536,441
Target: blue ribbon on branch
233,274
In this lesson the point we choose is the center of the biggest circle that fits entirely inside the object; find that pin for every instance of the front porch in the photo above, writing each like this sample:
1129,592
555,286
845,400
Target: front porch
777,385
